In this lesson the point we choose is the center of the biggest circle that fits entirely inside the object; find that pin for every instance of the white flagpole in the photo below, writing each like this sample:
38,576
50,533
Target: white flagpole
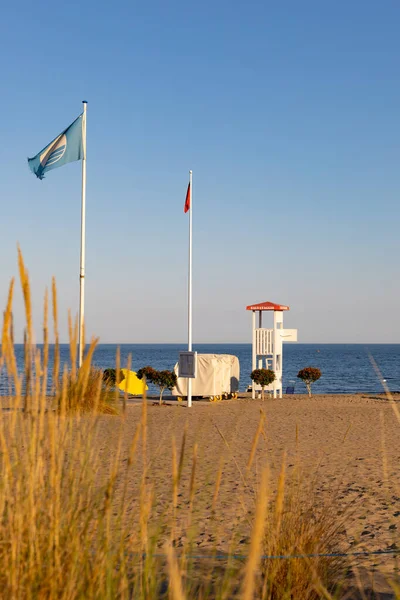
83,233
189,386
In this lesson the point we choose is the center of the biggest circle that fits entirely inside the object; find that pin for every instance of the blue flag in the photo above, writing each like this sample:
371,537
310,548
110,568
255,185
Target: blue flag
65,148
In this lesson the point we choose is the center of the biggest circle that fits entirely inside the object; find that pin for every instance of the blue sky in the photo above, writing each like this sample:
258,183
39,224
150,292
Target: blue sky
288,114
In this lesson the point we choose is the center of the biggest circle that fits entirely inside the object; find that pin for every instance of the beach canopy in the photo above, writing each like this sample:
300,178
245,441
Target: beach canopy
133,385
267,306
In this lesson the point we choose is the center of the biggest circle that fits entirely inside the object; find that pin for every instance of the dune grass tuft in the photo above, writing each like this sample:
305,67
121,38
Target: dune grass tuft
87,392
298,525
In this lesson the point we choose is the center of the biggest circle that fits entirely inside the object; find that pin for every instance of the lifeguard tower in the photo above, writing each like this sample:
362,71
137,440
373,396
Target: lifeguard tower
267,343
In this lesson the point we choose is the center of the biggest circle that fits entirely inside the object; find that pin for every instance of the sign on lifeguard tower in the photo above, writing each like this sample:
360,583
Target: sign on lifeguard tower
267,344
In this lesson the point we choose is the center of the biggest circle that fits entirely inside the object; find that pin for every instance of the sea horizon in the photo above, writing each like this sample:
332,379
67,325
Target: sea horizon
184,343
345,368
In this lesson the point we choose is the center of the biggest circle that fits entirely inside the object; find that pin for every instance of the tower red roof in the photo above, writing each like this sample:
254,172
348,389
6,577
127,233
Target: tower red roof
267,306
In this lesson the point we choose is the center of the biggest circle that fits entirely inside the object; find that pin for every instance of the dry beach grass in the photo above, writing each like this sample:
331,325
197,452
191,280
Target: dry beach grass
158,502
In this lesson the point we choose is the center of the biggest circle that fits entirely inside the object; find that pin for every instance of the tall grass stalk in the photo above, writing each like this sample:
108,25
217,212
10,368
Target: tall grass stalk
253,560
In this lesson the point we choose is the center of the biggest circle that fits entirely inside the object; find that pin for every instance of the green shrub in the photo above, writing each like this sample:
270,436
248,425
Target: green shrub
263,377
309,375
164,380
110,377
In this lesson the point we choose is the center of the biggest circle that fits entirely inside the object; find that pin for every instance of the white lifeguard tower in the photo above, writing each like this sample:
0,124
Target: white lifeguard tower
267,344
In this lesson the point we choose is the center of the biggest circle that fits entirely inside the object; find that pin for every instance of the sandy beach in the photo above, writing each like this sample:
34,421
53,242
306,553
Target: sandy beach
344,448
347,448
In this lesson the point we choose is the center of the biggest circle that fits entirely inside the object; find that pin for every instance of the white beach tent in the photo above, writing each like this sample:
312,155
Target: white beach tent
216,374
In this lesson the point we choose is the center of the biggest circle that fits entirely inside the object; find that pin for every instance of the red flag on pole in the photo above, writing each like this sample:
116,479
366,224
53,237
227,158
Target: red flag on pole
187,201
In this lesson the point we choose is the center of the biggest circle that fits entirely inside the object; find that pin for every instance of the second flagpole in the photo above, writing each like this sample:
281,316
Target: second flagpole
83,234
189,386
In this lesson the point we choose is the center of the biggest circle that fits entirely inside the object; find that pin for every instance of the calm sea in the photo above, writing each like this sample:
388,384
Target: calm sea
345,367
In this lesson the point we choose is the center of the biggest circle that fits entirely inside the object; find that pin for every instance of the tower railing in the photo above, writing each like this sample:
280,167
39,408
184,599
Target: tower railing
264,341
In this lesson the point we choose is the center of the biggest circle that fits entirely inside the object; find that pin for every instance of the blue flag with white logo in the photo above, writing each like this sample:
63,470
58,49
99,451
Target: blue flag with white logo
65,148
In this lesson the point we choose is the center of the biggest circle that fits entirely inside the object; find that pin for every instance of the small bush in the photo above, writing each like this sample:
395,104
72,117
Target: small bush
263,377
148,373
309,375
164,380
110,377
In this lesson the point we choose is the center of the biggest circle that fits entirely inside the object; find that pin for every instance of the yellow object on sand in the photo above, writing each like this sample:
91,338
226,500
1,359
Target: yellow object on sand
135,386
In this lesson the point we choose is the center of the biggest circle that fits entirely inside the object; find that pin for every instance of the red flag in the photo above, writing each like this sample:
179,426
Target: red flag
187,201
